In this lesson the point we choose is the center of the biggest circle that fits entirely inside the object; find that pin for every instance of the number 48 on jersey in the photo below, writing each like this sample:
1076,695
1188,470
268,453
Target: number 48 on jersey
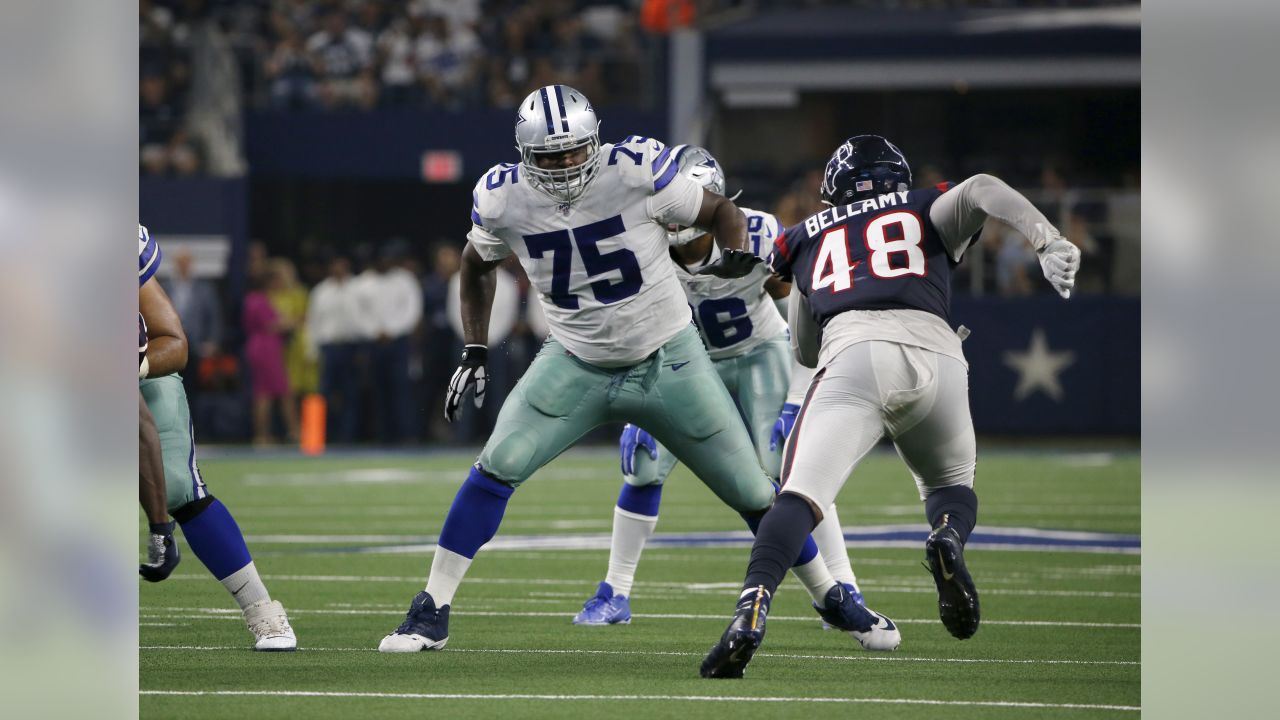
892,242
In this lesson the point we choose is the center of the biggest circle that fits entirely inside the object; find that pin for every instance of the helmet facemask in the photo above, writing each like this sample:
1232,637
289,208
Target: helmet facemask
563,184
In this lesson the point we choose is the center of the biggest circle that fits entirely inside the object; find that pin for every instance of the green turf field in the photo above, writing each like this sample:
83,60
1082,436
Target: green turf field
335,540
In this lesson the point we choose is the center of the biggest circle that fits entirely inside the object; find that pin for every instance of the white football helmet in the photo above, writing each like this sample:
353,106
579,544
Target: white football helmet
554,119
699,166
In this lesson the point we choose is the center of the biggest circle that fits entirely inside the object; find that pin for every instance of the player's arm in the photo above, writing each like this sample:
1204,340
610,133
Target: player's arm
729,226
477,283
960,212
167,347
777,288
806,335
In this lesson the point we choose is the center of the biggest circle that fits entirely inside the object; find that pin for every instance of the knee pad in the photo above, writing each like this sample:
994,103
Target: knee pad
188,512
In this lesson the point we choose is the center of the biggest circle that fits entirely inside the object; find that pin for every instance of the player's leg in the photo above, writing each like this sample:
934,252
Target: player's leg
634,518
556,402
759,385
838,424
933,432
208,526
691,412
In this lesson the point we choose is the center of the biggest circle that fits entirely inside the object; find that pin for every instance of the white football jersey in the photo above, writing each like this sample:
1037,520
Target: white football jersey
600,265
736,315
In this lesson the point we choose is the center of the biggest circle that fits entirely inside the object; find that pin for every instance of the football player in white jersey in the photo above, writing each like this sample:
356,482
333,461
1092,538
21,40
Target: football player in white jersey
588,224
747,340
208,526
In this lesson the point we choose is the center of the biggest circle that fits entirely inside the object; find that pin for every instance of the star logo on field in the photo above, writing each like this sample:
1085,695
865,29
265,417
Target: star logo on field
1038,368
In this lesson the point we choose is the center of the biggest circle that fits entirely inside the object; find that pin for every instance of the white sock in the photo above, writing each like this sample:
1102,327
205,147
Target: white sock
830,539
246,587
447,570
630,533
816,578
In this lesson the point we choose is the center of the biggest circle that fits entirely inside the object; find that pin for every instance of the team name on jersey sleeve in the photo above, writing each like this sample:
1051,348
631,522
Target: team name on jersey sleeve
148,256
642,162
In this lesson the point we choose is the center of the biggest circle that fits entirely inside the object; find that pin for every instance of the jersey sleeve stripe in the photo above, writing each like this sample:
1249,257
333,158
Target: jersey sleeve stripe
546,111
665,178
780,244
564,122
148,262
475,214
659,162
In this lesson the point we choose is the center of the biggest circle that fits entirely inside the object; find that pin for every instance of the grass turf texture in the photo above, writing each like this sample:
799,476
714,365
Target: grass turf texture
1059,628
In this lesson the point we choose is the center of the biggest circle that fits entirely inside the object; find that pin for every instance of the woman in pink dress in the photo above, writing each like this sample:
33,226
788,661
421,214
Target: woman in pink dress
264,352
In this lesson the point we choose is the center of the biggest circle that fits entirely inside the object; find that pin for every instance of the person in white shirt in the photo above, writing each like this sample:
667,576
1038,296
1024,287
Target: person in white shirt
337,325
394,297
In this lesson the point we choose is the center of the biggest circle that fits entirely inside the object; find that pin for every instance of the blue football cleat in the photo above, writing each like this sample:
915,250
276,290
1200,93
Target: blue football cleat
605,608
855,593
729,657
425,627
871,629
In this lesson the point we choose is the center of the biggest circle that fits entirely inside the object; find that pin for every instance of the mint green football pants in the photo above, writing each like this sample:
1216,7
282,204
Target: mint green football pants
167,401
757,381
675,394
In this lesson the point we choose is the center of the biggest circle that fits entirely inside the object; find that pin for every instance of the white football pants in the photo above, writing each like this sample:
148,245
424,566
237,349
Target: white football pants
919,397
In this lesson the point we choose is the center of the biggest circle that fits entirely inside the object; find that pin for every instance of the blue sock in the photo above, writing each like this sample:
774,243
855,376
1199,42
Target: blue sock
640,500
475,515
808,551
213,536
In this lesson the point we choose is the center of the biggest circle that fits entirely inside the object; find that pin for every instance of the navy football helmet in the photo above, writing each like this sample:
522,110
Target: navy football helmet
863,167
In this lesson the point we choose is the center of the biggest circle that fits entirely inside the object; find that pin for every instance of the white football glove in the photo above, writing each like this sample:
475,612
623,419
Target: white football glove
1060,259
470,374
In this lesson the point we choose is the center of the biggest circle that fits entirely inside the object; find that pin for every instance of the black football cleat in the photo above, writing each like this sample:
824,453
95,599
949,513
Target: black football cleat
729,657
957,596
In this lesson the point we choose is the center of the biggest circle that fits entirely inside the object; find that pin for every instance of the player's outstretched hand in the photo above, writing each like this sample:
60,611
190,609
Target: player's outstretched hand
471,374
732,264
632,439
162,553
1060,260
782,428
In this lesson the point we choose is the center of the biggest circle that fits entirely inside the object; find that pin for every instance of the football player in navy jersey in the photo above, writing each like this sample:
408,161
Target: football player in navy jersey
870,309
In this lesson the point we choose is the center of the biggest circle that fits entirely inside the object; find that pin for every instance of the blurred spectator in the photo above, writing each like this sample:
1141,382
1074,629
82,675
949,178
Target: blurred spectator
396,58
200,311
289,299
264,353
342,57
448,62
395,302
337,327
164,144
289,73
1017,267
441,347
802,200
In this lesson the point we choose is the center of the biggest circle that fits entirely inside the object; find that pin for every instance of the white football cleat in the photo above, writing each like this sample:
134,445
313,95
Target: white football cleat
882,636
270,627
425,627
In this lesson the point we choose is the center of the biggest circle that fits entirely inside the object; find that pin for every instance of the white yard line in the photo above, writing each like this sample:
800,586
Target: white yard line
169,613
676,698
870,588
867,657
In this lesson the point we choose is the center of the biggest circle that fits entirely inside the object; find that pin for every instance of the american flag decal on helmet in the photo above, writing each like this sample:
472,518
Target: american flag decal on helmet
862,185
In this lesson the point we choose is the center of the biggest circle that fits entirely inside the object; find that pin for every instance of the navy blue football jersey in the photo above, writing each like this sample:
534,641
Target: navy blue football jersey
877,254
